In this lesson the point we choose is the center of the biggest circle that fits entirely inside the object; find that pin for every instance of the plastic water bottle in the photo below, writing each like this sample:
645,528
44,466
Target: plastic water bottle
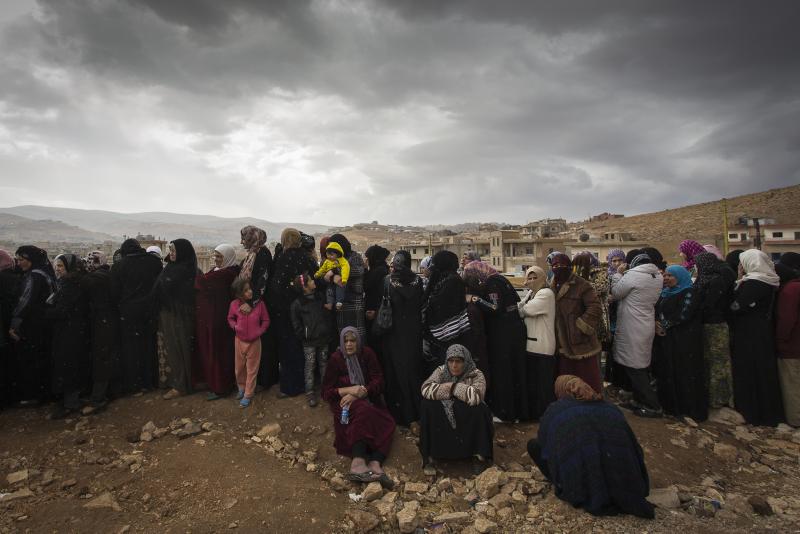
345,415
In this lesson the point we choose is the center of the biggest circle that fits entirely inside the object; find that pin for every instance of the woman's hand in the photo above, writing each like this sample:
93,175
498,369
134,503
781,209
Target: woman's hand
622,268
347,400
245,309
328,276
13,334
360,392
660,330
468,298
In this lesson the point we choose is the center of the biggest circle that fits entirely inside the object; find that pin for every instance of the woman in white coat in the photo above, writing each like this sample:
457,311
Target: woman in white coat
636,293
538,309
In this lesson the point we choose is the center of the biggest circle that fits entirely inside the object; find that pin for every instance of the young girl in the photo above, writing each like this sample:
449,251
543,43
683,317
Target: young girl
312,327
247,345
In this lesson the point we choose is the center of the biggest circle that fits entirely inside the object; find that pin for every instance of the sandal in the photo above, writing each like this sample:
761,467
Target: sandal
366,476
385,482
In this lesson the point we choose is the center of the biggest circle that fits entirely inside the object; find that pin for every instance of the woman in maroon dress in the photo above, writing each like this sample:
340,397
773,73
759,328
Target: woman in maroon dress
214,354
353,380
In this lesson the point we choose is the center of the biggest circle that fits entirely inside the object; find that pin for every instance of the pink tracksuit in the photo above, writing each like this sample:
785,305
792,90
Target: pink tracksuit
248,329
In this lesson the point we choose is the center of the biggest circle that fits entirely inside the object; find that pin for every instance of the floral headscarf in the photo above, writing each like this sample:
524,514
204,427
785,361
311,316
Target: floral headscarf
253,238
614,253
479,270
95,260
573,386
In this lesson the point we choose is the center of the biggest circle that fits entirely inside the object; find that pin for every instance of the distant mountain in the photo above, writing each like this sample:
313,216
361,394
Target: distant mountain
98,225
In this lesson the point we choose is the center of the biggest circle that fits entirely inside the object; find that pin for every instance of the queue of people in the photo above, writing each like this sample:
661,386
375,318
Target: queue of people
445,353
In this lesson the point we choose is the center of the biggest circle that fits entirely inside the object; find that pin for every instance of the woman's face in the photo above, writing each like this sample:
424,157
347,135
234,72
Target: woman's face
350,345
173,254
682,255
616,262
60,268
530,280
456,366
218,259
669,280
24,264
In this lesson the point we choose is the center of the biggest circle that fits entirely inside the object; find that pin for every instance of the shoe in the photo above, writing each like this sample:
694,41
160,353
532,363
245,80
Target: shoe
212,396
366,476
244,403
94,407
414,428
339,306
240,395
647,412
386,482
429,470
171,394
312,400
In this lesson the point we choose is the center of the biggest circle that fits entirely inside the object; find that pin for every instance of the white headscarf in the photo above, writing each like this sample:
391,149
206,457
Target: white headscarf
228,256
155,249
757,266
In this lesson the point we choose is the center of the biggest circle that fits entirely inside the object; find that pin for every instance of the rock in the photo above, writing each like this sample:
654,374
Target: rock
207,426
229,503
146,436
17,476
68,483
679,443
363,521
690,422
339,484
131,437
488,483
23,493
726,452
737,503
760,505
666,498
123,529
271,429
189,429
412,488
149,427
47,477
311,468
783,428
383,508
501,500
742,434
372,492
232,525
483,525
778,505
505,513
105,500
444,484
796,436
408,517
519,475
83,424
255,439
704,442
160,432
452,517
726,416
391,497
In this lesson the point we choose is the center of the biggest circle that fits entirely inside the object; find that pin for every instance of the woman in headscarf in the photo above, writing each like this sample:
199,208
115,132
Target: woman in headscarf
354,381
587,450
656,257
613,373
68,310
680,369
214,356
636,294
756,393
353,308
444,311
688,249
577,318
456,422
505,337
132,279
424,270
538,309
291,263
787,334
376,271
10,278
402,344
587,267
714,292
174,291
29,329
732,259
713,250
103,328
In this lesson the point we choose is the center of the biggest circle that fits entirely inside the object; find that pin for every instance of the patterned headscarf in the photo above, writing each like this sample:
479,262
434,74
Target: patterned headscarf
228,255
640,259
354,371
425,263
614,253
690,249
290,238
706,263
757,266
479,270
6,260
253,238
573,386
562,269
455,352
95,260
682,276
714,250
72,263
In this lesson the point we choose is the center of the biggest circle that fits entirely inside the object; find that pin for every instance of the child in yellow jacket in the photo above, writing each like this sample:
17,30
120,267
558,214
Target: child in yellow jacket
336,262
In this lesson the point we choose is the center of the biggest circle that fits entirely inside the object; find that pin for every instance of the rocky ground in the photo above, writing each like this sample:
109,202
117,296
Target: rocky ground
189,465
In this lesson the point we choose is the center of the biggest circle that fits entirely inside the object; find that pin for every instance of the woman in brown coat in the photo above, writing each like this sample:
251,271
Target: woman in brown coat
578,314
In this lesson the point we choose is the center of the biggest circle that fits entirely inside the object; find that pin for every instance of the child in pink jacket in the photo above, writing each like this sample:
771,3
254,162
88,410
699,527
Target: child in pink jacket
248,328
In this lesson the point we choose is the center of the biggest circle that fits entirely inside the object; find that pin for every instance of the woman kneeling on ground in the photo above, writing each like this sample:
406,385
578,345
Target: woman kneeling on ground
352,386
455,422
590,454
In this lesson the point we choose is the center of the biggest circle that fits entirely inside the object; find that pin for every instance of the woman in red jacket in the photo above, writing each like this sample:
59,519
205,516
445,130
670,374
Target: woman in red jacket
787,335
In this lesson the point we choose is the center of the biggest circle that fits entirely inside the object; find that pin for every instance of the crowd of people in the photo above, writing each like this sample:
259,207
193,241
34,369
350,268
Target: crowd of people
446,352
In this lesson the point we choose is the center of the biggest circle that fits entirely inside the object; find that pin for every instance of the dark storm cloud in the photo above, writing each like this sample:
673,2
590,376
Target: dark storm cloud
451,110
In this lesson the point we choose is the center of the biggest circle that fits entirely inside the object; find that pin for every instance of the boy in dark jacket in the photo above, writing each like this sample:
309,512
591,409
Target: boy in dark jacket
311,327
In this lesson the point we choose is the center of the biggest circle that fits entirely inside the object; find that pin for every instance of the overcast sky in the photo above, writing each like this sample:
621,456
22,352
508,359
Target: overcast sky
409,112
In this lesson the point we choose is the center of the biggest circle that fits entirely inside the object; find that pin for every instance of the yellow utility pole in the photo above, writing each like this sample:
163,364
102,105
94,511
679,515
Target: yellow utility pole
725,226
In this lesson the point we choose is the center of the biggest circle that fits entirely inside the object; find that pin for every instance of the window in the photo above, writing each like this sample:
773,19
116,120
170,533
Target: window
797,236
733,236
743,236
777,234
414,251
426,251
529,251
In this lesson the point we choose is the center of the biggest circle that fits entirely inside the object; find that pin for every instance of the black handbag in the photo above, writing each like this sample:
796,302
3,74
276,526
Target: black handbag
383,319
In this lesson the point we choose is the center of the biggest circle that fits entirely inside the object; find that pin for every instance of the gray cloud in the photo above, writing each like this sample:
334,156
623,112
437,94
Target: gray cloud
406,112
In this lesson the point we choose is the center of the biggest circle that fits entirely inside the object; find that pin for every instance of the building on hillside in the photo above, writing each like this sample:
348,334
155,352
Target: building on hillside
149,240
605,217
543,228
456,244
775,239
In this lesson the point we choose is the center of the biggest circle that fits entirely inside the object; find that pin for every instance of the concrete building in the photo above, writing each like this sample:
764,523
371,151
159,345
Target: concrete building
543,228
775,239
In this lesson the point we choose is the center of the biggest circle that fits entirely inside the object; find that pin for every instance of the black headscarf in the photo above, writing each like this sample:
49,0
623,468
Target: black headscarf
443,264
786,273
732,259
401,268
72,263
376,255
791,260
307,243
344,243
632,254
38,259
655,256
130,246
184,255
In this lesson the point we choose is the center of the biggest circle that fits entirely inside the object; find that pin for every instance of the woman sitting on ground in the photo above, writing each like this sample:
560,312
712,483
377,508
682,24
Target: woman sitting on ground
354,381
455,422
590,454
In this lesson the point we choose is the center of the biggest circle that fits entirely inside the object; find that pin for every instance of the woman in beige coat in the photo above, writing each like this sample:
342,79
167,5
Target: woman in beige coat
538,309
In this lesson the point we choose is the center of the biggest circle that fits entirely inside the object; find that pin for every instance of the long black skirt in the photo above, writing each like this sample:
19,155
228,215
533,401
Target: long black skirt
474,432
541,372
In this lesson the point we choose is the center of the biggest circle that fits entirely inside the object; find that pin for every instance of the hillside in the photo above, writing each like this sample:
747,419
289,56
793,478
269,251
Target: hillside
84,224
15,228
703,222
